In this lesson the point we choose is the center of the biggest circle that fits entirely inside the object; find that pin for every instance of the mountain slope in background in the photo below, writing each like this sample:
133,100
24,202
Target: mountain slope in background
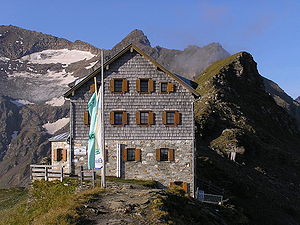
298,99
282,99
236,114
35,70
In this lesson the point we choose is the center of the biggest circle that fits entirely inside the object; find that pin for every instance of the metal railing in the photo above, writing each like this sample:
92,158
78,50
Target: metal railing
209,198
209,187
47,172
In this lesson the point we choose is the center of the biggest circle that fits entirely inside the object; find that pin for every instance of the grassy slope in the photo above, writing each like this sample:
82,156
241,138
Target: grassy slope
45,203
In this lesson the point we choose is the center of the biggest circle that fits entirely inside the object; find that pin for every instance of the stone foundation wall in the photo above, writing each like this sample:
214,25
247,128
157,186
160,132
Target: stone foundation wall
181,169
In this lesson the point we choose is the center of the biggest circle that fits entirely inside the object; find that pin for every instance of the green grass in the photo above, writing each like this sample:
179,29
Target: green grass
11,197
48,203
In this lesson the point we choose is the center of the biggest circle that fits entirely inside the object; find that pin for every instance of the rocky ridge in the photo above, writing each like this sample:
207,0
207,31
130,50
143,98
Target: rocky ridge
236,114
298,99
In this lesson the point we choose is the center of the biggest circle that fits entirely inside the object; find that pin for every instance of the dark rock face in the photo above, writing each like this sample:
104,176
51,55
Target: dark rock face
298,99
284,100
236,114
23,139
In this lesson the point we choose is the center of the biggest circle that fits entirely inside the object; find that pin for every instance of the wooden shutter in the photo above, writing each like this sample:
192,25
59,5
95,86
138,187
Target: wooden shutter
112,118
86,118
171,154
64,155
150,118
170,87
54,154
137,155
164,117
185,187
138,117
124,118
177,118
124,86
92,88
150,85
124,151
112,85
138,85
158,154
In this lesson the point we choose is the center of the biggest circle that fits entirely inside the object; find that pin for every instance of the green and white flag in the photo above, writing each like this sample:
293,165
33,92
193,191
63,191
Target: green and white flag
92,108
98,135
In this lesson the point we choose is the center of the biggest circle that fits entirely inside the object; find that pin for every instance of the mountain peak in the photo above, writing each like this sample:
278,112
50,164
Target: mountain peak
298,99
136,37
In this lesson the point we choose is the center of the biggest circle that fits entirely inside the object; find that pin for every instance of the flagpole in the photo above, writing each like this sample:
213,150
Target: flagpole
103,179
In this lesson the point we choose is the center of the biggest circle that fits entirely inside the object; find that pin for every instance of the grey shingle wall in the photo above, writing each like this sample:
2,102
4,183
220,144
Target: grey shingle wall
133,66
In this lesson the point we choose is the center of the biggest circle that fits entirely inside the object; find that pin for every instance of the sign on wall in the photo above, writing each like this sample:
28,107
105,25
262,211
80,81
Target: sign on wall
79,150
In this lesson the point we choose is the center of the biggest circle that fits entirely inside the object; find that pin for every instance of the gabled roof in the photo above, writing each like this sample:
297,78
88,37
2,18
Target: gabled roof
118,55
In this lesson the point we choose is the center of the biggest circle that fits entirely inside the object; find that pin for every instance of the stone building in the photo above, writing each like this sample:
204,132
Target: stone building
149,121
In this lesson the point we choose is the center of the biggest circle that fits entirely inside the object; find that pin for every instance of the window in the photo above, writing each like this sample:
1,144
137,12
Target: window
118,118
144,85
165,154
171,118
60,154
118,85
131,154
163,87
166,88
145,118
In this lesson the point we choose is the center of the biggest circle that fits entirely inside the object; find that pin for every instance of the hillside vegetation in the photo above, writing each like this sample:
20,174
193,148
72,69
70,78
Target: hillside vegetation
236,114
123,202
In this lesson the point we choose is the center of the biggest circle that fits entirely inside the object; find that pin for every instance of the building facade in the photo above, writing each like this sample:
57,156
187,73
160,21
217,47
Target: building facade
149,121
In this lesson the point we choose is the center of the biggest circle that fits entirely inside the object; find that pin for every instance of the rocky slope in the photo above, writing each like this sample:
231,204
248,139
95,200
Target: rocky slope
236,114
282,99
298,99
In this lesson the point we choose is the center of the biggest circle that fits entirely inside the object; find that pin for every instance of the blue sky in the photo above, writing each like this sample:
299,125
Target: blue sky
268,29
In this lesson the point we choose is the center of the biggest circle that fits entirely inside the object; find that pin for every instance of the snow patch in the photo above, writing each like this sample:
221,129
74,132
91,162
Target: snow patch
57,125
61,78
21,102
63,56
91,65
4,59
14,135
56,101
